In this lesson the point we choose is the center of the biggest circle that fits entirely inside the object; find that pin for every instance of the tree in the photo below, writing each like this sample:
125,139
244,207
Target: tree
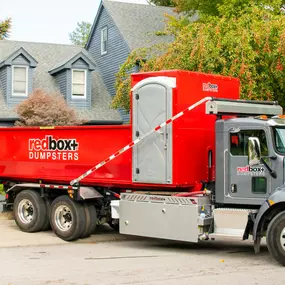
211,7
5,27
168,3
43,109
80,35
247,42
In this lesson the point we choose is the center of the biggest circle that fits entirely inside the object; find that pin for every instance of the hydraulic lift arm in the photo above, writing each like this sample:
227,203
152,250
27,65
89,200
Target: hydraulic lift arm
213,106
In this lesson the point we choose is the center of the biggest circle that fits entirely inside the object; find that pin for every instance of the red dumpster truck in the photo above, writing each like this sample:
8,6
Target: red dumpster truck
195,163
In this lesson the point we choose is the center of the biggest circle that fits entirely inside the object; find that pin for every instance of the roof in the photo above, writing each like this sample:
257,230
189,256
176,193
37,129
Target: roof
137,23
91,64
8,60
49,57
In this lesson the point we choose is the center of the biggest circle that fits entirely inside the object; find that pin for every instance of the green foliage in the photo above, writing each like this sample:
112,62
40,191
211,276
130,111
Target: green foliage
162,2
5,27
2,192
247,43
80,35
207,7
212,7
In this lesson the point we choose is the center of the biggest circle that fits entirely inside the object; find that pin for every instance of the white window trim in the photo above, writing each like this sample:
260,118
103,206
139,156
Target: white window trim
27,81
102,32
85,86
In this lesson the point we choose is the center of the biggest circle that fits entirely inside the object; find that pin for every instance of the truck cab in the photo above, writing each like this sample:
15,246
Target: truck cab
243,179
246,195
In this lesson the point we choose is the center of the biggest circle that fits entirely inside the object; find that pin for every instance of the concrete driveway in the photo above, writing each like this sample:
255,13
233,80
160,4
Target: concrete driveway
141,262
12,236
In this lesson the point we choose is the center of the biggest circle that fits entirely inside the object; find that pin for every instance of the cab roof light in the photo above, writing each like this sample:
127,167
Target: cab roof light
261,117
279,117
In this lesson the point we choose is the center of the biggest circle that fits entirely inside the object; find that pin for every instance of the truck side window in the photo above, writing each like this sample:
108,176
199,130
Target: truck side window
239,142
259,185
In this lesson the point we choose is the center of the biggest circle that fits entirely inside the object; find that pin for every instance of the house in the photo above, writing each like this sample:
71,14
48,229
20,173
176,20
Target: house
25,66
120,28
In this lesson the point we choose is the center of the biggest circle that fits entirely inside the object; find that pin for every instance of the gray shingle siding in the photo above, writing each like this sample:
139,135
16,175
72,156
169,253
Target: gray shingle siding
80,63
9,84
43,58
61,80
68,86
117,51
3,79
20,60
30,78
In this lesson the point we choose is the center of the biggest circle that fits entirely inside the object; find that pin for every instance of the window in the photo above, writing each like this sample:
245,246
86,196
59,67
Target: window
279,135
20,81
239,142
259,185
104,38
78,83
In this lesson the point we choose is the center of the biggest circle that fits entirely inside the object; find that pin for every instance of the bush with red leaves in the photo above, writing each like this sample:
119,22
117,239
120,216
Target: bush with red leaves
43,109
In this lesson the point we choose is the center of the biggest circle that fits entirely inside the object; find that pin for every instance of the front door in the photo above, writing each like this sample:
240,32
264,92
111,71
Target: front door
152,157
247,181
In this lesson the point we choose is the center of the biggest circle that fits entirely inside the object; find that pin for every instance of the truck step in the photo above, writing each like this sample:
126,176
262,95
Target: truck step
230,222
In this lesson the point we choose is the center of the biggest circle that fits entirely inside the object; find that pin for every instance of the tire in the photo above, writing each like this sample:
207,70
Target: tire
114,224
276,238
91,220
46,226
67,218
30,211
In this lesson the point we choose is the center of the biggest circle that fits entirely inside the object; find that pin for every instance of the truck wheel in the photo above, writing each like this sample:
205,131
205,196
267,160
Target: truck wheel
46,226
91,220
276,238
30,211
67,218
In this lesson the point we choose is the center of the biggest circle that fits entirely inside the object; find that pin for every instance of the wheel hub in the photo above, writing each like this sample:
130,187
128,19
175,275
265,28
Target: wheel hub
63,218
282,239
26,211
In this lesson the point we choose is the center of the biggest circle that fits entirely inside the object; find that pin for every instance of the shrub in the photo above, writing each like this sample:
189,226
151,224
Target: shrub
247,43
43,109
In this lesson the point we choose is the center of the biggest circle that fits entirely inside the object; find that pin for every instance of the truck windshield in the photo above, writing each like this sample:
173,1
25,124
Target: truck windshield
279,137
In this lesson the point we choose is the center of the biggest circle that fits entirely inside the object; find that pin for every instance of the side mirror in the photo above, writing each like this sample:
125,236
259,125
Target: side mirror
254,152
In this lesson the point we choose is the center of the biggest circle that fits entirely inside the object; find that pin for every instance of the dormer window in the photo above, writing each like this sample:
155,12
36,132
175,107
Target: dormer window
78,83
104,38
19,80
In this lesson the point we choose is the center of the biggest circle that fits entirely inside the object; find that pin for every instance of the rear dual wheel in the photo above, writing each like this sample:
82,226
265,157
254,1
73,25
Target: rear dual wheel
67,218
30,211
71,220
91,220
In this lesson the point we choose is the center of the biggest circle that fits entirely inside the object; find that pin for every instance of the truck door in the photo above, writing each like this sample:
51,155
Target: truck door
152,105
247,181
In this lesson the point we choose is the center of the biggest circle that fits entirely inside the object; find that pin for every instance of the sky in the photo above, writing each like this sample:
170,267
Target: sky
48,21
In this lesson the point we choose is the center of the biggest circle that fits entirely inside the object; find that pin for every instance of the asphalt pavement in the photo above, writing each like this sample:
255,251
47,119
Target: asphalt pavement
141,262
108,258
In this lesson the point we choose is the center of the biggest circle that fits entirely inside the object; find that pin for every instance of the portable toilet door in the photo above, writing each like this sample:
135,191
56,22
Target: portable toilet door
151,106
